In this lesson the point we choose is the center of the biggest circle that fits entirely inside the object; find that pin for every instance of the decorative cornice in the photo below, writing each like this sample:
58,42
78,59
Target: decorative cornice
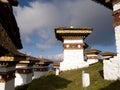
70,46
73,31
56,64
8,63
41,69
24,71
7,58
64,32
115,1
106,3
73,37
116,15
24,61
116,24
92,57
116,12
7,76
43,62
92,51
108,54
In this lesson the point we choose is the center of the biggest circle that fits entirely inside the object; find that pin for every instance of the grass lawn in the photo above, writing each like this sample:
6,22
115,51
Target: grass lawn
72,80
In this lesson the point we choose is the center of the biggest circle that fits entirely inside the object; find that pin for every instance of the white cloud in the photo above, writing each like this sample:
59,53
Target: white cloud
36,16
56,57
27,39
43,46
40,18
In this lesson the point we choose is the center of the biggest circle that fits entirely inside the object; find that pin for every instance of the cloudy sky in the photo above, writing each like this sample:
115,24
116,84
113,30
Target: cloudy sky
38,18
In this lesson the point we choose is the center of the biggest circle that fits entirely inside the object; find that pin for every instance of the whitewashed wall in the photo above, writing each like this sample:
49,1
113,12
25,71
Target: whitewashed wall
7,85
116,6
92,61
111,67
117,37
38,74
73,58
22,79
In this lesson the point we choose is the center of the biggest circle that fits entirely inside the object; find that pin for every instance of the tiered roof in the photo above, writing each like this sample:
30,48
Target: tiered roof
107,53
9,32
92,51
72,32
107,3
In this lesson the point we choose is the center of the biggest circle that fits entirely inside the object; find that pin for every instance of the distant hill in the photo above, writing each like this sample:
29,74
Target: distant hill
72,80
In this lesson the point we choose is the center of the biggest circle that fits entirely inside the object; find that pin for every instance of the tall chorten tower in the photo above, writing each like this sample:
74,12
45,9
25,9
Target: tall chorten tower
73,45
115,6
112,66
116,14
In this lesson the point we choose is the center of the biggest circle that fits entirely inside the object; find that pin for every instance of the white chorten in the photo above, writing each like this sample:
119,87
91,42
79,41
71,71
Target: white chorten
92,55
113,65
73,45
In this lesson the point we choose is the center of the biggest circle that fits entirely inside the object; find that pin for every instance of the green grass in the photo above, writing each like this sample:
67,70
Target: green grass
72,80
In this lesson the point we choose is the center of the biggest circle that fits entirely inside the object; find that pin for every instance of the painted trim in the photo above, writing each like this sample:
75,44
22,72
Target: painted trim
73,45
24,71
7,76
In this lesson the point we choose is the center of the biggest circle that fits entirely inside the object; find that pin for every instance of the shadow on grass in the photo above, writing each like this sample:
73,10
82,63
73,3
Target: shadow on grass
101,73
22,87
113,86
50,82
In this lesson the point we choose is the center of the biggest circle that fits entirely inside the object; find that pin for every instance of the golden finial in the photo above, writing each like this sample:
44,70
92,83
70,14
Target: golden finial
71,26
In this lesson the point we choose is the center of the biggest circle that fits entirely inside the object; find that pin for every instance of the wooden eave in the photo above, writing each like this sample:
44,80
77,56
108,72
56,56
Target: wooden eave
9,24
85,45
108,54
3,51
6,42
92,51
45,61
39,63
106,3
57,63
72,32
13,2
26,61
32,59
9,57
67,28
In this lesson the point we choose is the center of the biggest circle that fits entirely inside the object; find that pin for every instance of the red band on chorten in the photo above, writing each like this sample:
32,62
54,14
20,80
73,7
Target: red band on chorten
73,46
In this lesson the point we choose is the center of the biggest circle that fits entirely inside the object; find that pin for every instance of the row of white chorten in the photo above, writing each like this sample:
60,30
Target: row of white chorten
24,72
75,55
73,43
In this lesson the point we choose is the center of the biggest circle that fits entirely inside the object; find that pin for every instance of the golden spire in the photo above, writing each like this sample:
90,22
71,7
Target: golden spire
71,26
